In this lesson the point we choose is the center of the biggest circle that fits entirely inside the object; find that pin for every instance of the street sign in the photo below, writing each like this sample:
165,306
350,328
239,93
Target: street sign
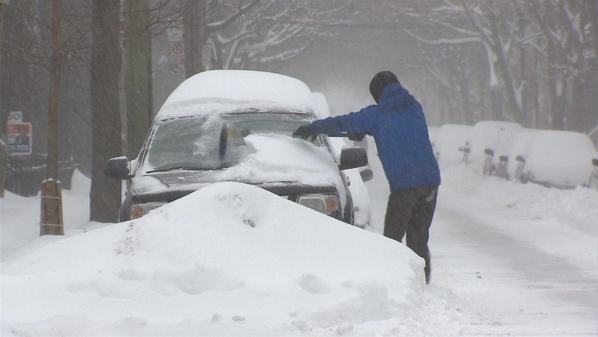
18,138
15,117
177,48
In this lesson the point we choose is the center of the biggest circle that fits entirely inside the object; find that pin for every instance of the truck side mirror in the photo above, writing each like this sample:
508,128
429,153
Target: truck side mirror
352,158
117,168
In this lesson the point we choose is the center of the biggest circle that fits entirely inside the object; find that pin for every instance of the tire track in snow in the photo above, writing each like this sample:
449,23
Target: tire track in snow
480,256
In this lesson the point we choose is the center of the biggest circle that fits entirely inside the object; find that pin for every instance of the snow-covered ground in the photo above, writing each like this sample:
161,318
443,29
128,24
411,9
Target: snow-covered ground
507,259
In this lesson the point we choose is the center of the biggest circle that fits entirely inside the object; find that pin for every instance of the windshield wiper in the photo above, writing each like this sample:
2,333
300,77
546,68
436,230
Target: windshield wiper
171,167
177,167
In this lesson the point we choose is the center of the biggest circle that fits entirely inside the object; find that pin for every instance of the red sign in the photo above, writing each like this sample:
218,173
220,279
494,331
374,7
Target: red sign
18,138
177,48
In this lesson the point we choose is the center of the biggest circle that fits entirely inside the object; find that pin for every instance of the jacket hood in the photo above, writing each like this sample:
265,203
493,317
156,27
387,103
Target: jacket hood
394,94
380,81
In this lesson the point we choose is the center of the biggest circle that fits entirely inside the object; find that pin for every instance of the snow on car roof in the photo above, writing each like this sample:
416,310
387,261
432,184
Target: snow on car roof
236,90
559,157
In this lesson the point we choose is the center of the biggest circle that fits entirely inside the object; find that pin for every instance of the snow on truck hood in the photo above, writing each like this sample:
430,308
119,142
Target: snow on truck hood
232,90
272,158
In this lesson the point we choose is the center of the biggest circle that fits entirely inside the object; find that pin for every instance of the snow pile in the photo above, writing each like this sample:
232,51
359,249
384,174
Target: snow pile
575,207
234,260
20,216
229,259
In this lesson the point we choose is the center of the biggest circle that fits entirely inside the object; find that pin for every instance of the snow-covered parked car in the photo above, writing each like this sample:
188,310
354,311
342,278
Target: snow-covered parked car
236,125
489,144
356,177
553,158
519,145
449,144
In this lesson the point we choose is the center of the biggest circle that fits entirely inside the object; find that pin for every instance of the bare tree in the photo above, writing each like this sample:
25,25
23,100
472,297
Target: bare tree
272,31
30,62
105,196
567,36
530,48
252,33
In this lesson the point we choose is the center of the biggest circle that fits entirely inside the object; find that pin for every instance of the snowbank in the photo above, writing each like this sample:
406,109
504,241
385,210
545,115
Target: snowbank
229,259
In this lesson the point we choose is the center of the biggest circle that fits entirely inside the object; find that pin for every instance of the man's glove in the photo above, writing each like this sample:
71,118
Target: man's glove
304,132
357,136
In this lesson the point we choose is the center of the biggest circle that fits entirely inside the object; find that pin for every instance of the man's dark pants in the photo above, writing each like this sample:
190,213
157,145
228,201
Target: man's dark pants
411,211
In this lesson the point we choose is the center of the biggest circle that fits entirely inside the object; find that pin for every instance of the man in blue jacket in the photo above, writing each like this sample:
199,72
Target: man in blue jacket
399,128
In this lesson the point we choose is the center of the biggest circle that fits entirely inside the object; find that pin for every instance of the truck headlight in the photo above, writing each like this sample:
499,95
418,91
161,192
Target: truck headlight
323,203
139,210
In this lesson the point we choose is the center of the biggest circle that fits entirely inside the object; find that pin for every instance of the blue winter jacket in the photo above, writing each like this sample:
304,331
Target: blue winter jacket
399,128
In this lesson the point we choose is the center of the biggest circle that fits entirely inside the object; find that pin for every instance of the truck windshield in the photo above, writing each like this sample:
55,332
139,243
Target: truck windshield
196,143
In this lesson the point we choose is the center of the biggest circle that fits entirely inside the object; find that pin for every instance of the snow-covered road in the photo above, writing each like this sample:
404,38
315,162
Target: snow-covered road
504,263
519,288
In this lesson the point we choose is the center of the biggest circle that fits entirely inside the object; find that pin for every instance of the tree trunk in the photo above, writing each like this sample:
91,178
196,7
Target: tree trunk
54,95
1,30
557,118
503,65
194,35
106,54
138,78
3,150
592,12
575,107
496,99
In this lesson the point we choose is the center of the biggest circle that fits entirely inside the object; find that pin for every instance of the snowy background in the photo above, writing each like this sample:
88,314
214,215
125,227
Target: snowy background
233,260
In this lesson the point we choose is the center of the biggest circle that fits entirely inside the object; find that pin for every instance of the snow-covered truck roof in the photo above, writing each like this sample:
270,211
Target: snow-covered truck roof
237,90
